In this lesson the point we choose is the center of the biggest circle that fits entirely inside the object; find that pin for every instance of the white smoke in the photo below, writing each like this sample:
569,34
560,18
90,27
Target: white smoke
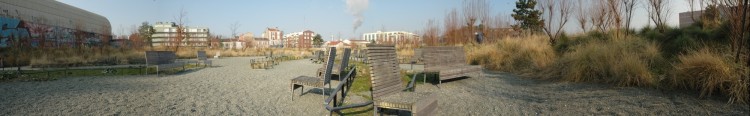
356,8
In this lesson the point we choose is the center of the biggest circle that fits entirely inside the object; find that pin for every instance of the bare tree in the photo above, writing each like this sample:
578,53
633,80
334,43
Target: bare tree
658,11
451,27
691,3
628,7
233,27
180,35
599,17
582,15
615,15
431,33
475,10
548,7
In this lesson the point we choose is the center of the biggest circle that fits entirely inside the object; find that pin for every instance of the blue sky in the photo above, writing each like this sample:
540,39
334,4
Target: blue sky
325,17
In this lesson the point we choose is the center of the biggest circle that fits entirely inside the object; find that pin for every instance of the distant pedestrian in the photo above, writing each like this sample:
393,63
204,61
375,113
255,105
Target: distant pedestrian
479,36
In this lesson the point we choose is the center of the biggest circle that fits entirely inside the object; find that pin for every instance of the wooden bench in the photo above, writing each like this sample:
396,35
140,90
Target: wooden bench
262,63
203,59
448,62
317,57
320,80
388,90
163,60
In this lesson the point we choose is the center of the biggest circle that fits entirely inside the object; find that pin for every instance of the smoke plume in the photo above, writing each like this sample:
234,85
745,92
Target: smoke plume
356,8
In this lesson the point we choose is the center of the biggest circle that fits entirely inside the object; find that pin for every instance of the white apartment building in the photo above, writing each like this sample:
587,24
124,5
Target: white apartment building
380,37
275,37
166,32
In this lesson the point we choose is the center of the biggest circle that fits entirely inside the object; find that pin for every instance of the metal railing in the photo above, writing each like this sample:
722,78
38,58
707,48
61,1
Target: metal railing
333,103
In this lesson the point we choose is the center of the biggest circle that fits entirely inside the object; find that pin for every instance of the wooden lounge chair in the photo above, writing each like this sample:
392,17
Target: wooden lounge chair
388,91
320,80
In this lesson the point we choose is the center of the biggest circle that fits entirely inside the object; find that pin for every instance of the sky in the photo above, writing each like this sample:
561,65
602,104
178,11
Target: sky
329,18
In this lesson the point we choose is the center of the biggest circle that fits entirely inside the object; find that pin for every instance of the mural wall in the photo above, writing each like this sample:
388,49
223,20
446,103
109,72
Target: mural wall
15,33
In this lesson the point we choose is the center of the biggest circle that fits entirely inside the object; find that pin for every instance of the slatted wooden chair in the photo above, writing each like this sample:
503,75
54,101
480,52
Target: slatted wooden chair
320,80
388,91
339,68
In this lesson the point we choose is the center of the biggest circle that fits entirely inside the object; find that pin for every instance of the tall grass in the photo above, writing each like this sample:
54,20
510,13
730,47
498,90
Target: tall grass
627,61
513,54
711,71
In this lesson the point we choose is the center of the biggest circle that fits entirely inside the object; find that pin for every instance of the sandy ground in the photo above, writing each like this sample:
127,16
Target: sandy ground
232,88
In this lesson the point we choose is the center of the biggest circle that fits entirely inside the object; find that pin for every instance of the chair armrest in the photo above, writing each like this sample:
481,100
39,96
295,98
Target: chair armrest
410,86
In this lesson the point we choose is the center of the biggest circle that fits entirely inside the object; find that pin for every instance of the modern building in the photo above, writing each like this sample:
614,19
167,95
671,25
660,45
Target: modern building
274,36
49,23
165,34
261,43
390,37
301,39
686,19
232,44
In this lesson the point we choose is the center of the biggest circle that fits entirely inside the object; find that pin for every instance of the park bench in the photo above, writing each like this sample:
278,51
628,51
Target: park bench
203,59
317,57
388,90
320,80
163,60
262,63
448,62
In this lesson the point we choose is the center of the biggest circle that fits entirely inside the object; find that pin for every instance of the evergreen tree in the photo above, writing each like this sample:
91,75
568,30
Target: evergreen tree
527,17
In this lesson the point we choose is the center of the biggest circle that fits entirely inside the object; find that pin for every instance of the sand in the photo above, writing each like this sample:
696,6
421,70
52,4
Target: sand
232,88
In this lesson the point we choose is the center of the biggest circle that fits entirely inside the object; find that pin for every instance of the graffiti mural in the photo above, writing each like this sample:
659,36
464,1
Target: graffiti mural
11,29
40,35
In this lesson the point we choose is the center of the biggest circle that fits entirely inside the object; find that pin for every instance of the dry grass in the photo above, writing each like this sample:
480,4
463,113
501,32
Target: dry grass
709,71
624,62
72,56
513,54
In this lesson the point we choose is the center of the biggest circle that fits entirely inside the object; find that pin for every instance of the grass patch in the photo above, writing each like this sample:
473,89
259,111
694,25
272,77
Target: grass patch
513,54
623,62
50,75
710,71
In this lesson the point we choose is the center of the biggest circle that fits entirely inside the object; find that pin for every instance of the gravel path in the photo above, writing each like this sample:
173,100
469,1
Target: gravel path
505,94
232,88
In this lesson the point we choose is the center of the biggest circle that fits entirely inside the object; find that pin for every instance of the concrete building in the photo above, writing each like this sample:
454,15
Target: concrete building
165,34
301,39
686,19
49,23
261,43
390,37
274,36
232,44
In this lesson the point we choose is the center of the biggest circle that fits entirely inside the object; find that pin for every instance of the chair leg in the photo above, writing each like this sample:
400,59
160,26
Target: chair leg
375,110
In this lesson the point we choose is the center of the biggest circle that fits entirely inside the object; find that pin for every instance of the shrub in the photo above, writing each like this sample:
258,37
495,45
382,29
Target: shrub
629,61
514,54
709,71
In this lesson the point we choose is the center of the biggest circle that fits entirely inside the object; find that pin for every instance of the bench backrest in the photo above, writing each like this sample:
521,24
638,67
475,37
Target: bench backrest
384,71
328,66
443,56
202,55
345,61
160,57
